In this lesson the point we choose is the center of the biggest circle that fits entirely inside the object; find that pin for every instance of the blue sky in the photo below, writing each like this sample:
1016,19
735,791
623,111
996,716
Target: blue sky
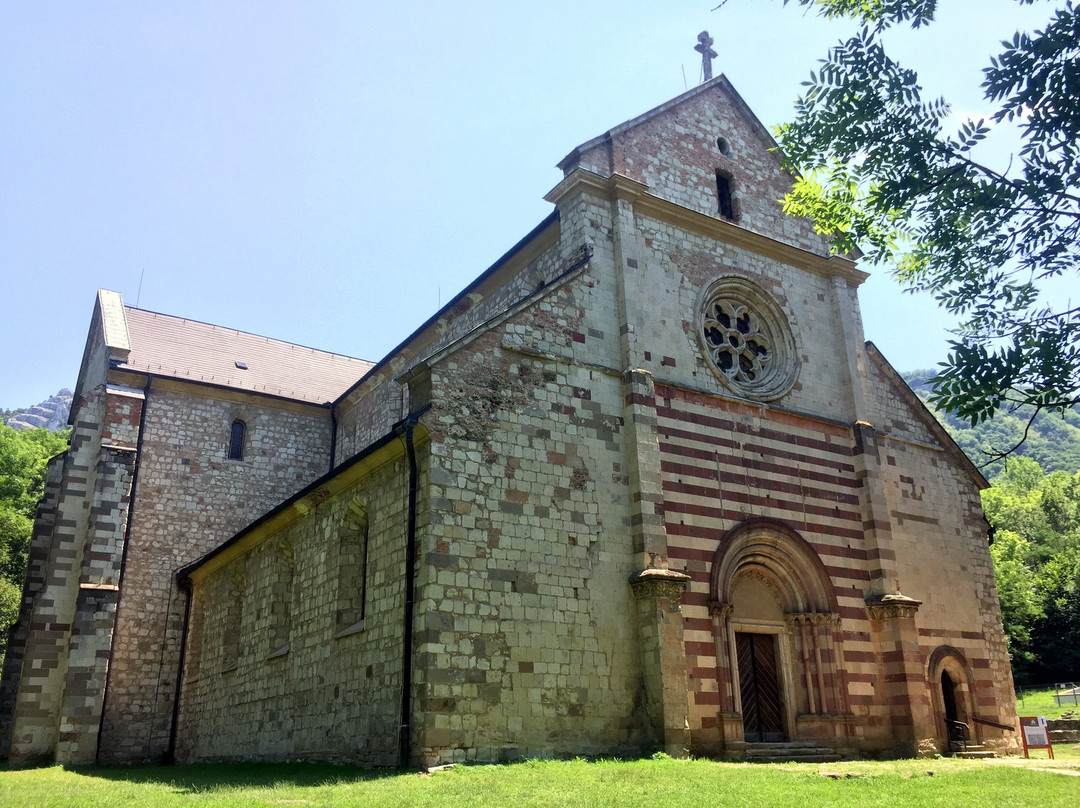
328,172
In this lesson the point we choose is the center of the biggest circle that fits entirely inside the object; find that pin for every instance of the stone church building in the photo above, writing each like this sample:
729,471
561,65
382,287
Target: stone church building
641,486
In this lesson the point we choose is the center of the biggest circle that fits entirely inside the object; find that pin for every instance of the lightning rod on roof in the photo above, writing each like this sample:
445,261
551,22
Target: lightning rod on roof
138,295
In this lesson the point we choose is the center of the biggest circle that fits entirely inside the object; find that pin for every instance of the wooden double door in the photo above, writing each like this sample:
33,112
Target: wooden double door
759,687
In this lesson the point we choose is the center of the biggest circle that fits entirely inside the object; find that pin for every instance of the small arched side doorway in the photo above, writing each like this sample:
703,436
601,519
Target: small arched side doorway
776,631
948,696
953,689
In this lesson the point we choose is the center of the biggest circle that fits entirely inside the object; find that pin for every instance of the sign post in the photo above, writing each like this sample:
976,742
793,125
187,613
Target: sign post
1035,734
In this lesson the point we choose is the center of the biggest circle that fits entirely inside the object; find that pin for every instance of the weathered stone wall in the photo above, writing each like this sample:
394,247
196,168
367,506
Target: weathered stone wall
943,559
54,598
369,418
37,574
95,609
189,499
325,693
726,463
526,648
674,266
1064,730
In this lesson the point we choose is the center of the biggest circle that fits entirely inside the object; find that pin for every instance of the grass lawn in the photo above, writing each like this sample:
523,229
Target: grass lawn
644,783
1041,702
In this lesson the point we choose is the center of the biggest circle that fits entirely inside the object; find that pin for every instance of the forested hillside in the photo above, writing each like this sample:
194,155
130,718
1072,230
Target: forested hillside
1053,441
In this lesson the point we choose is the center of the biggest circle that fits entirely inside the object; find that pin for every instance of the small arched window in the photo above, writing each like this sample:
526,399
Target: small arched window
236,441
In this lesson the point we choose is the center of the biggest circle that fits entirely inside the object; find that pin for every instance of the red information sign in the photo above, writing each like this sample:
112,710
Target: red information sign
1035,734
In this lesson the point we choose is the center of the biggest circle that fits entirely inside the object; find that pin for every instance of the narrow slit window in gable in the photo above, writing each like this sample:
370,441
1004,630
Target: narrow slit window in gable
723,194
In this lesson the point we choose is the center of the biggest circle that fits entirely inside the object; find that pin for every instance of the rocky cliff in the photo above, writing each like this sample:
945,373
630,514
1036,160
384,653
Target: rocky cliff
51,414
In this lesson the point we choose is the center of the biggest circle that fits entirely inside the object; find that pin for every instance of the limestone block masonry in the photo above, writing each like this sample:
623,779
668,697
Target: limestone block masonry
199,497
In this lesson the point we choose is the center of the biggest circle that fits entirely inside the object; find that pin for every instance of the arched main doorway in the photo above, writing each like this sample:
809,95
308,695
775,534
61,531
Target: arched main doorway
775,626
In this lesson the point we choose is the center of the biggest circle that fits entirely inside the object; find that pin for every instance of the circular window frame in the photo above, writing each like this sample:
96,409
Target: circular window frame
782,369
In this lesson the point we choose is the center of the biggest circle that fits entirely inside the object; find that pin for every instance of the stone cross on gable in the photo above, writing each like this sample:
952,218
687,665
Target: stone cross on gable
704,47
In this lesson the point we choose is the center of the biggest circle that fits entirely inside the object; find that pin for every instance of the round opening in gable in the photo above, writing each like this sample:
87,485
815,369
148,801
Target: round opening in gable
723,145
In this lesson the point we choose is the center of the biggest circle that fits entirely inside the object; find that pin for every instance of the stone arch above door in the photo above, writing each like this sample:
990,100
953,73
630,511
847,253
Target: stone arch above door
766,579
778,555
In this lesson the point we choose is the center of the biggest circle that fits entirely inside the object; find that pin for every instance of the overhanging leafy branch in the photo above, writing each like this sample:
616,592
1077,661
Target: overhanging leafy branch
879,171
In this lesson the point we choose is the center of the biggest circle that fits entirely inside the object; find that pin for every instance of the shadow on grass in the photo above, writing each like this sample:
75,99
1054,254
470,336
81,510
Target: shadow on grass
218,776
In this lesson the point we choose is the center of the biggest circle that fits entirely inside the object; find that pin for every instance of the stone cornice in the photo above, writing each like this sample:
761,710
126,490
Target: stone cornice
654,584
888,607
619,187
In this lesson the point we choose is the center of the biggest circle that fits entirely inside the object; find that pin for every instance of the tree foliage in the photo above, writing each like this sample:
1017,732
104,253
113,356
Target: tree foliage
881,171
1036,553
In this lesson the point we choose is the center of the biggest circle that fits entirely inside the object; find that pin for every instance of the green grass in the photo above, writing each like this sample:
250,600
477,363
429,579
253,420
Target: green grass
1063,751
627,784
1041,702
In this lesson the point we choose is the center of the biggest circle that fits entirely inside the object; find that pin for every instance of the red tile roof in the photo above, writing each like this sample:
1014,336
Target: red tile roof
187,349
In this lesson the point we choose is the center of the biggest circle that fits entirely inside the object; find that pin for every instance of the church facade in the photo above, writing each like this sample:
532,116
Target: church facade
641,486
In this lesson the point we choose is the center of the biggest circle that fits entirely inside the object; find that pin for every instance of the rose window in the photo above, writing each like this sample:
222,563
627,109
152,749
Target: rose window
739,347
746,339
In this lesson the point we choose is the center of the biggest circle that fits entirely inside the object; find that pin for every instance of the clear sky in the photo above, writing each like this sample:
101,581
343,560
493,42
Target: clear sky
327,172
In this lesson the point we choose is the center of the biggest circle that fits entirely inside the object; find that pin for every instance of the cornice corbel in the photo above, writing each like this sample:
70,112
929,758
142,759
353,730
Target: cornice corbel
655,584
890,607
721,610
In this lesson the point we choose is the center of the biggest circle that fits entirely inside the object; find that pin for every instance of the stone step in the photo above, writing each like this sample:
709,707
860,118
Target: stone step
790,752
974,751
975,754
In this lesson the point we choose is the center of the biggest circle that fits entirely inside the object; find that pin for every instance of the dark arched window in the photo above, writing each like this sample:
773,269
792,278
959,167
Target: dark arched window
236,441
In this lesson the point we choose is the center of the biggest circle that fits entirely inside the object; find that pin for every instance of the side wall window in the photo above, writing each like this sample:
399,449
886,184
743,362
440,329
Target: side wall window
281,598
236,440
352,568
234,617
196,633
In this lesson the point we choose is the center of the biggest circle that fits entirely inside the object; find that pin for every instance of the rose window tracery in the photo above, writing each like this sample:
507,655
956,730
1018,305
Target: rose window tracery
746,339
739,347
